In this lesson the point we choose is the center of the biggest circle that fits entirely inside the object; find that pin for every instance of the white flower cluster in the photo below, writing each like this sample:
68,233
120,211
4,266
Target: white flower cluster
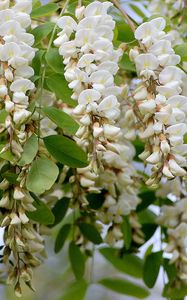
22,241
16,53
91,63
158,104
120,183
174,217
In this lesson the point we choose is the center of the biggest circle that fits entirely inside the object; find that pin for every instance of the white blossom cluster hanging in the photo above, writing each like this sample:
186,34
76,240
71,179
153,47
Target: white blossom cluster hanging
16,53
91,63
174,218
22,241
158,103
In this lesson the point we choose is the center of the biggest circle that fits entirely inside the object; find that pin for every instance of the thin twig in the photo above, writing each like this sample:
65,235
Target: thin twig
79,3
129,21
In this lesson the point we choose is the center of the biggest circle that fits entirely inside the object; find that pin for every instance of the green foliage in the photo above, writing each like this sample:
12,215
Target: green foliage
125,287
61,237
66,151
42,31
77,260
148,197
60,209
126,64
170,269
127,232
152,265
61,119
58,85
129,263
3,115
11,177
44,10
54,60
182,51
42,175
176,291
76,290
125,33
29,151
42,214
7,155
90,232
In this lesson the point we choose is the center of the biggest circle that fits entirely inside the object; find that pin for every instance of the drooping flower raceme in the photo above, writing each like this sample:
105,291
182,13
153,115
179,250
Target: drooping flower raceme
159,107
91,63
174,218
22,241
120,182
16,53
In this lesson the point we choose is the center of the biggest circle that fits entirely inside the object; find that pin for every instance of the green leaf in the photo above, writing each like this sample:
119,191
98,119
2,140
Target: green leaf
76,290
66,151
58,85
42,214
61,237
125,33
126,64
7,155
44,10
129,264
170,269
3,115
11,177
42,31
96,200
148,197
91,233
54,60
175,292
77,260
37,62
152,265
42,175
127,232
124,287
60,209
61,119
147,217
29,151
182,51
36,3
72,217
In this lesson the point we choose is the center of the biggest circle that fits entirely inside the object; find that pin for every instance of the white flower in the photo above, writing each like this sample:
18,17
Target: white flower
88,96
4,4
110,131
175,168
86,61
21,115
68,49
109,107
146,62
147,106
21,85
101,80
68,24
97,8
